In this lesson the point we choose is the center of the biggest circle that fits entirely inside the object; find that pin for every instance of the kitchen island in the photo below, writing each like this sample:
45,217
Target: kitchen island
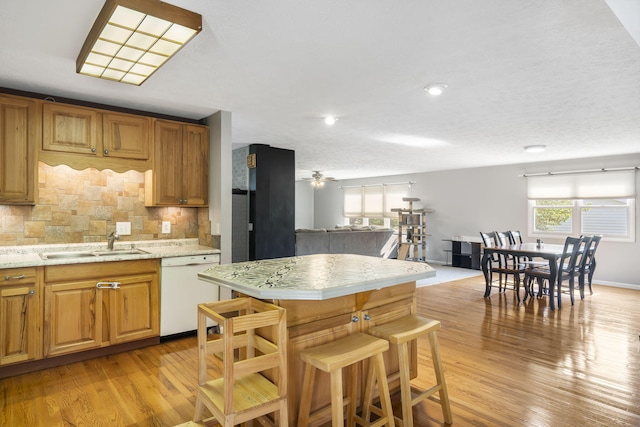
327,297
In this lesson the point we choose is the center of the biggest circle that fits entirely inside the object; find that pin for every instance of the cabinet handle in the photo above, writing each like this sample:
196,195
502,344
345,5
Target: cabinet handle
367,317
14,277
355,319
106,151
32,292
108,285
93,149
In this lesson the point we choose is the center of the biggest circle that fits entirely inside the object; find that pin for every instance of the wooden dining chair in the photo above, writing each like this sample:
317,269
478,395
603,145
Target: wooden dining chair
515,237
571,255
489,241
506,265
588,265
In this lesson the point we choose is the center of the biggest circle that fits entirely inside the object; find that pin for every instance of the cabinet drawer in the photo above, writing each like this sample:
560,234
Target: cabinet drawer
102,270
388,295
17,276
307,312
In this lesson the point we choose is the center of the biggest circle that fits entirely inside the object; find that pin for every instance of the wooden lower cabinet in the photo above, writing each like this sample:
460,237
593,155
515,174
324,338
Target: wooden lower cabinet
20,315
97,305
74,316
134,311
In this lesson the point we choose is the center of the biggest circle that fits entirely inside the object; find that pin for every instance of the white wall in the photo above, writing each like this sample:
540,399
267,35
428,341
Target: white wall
467,201
304,205
220,178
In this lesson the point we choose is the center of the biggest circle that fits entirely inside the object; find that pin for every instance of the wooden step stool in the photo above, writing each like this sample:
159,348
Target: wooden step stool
332,358
253,380
399,333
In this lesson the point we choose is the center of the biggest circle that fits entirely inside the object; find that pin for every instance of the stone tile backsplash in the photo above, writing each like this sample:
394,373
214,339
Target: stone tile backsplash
84,206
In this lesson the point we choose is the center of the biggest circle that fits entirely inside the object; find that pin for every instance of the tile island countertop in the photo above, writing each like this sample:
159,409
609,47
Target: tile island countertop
315,277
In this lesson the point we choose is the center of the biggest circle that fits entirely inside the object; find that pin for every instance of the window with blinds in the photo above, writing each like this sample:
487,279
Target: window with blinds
372,204
583,203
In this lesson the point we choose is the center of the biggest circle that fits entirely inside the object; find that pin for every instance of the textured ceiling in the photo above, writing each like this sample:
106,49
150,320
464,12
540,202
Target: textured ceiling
561,73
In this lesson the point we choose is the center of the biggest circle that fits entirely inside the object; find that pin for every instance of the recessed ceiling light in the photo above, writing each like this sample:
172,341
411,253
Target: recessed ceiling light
535,148
330,120
435,89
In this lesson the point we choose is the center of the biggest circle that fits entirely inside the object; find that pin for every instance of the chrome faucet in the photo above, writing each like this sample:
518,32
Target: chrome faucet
112,238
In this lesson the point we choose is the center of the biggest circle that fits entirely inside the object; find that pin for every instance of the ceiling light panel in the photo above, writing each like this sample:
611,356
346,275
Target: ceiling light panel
131,39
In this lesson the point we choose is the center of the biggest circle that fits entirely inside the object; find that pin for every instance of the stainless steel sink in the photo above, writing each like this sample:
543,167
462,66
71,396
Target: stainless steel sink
59,255
101,253
119,252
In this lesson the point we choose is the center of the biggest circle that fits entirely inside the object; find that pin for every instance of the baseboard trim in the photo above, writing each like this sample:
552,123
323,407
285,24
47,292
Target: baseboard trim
617,284
52,362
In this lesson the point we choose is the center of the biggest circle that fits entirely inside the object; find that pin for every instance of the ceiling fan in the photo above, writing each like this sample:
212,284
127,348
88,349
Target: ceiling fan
318,179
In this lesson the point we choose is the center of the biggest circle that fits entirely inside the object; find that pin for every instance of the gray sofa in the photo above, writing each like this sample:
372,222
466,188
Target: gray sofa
344,240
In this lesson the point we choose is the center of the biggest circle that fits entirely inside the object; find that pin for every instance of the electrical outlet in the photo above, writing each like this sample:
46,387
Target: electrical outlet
166,227
123,228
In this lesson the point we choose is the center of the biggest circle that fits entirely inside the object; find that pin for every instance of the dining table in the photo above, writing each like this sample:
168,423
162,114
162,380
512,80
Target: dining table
551,253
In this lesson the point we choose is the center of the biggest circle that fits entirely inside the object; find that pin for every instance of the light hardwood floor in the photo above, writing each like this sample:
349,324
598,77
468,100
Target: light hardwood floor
505,365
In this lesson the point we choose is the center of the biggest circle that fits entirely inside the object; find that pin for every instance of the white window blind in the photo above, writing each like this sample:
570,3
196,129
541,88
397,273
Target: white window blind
352,202
596,185
374,201
393,194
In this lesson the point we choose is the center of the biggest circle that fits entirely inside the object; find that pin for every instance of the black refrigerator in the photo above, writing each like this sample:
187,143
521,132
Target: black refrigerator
271,202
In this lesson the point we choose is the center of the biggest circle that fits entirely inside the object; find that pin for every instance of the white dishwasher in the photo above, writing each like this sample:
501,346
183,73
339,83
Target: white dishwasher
181,291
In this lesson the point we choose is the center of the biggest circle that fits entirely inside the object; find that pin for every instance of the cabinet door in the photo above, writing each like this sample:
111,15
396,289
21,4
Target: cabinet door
306,336
387,305
167,164
69,129
18,127
20,316
134,309
73,313
195,165
125,136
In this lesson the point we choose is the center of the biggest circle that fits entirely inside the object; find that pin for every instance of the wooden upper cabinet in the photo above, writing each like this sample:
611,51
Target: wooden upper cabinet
167,165
180,172
69,129
195,165
19,131
125,136
83,137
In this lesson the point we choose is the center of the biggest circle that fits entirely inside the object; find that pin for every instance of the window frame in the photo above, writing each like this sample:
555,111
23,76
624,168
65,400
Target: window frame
577,221
385,194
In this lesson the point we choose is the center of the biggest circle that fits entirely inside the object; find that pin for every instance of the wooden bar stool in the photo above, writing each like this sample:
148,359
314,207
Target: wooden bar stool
252,381
332,358
399,333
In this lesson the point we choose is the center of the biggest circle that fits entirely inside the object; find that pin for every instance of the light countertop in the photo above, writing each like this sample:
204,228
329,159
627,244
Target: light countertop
32,256
315,277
